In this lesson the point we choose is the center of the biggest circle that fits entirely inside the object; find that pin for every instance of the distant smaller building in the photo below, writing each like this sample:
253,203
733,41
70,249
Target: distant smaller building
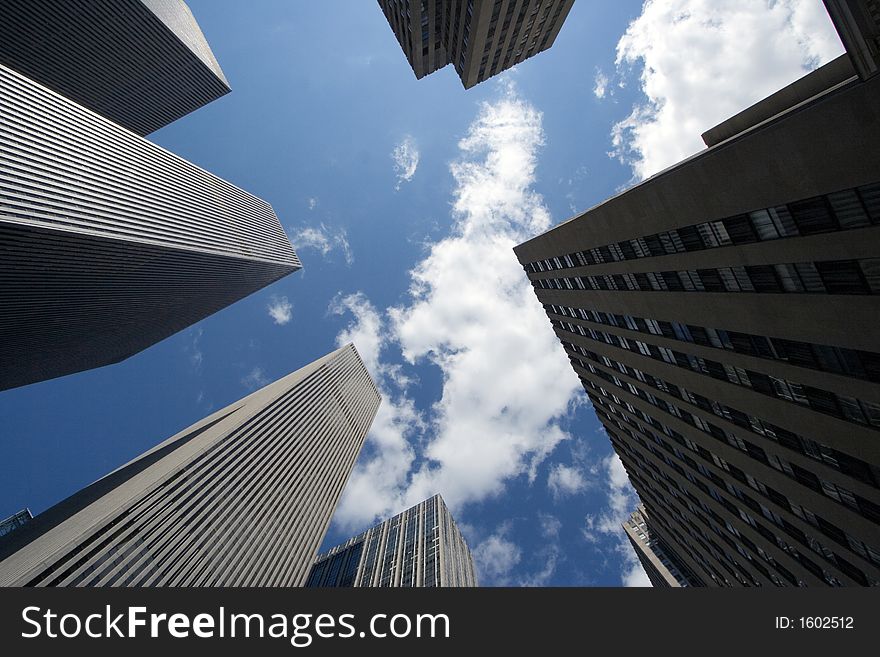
421,546
660,565
15,521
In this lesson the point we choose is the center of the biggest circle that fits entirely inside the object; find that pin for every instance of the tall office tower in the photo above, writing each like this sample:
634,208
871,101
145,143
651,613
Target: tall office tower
109,243
661,565
420,547
480,38
722,317
141,63
241,498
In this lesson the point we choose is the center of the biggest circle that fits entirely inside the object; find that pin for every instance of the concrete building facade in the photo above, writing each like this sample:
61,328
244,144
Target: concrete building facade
480,38
240,498
140,63
420,547
722,317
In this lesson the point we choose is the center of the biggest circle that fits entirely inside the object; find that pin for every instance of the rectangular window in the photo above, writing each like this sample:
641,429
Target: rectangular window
763,225
842,277
849,210
813,216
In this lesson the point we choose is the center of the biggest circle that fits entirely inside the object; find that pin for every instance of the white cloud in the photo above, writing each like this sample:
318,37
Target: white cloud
473,314
254,379
496,557
194,350
406,160
621,502
600,87
280,310
313,203
376,487
550,557
703,61
323,239
550,525
565,480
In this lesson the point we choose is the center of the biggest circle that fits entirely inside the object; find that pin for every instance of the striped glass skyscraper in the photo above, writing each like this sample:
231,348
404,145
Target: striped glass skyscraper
140,63
420,547
723,319
480,38
109,243
241,498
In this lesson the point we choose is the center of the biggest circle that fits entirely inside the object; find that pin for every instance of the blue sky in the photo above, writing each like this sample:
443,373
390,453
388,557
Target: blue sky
403,199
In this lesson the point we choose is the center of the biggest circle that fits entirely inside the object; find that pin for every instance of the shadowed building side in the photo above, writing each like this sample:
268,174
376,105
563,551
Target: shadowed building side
140,63
110,243
241,498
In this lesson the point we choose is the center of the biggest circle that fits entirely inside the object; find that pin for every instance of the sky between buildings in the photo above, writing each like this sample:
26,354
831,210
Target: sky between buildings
404,199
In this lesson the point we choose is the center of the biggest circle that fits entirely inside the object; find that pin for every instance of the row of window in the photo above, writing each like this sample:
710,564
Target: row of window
766,491
836,492
682,544
827,277
833,458
757,507
840,406
806,540
699,510
852,208
838,360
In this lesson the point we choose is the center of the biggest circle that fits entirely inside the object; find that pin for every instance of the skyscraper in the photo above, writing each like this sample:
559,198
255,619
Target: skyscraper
141,63
722,317
662,567
480,38
240,498
110,243
421,546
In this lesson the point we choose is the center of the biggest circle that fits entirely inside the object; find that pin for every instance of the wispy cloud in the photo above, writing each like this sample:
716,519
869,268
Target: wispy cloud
470,309
313,203
323,239
702,61
565,480
406,160
194,350
621,501
280,310
600,84
496,557
550,525
255,379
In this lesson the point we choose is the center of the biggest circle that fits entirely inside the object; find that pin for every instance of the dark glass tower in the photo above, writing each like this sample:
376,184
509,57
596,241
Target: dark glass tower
722,317
240,498
420,547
